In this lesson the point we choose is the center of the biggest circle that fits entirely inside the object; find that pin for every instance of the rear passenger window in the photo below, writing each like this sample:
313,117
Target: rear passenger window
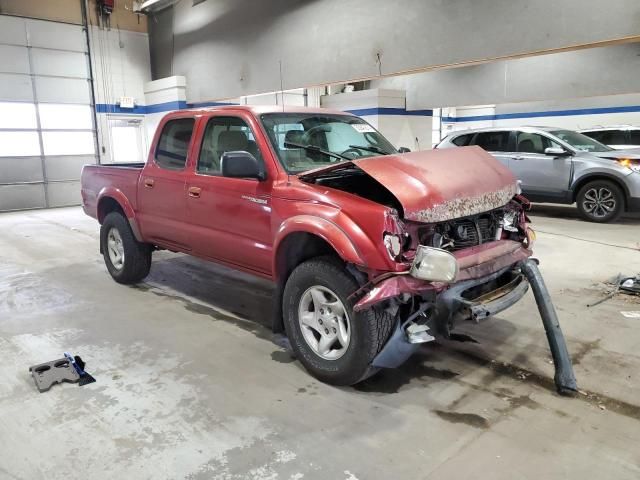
634,137
174,143
462,140
493,141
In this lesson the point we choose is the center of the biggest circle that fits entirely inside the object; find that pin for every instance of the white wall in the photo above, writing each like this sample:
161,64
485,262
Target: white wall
121,67
574,114
388,114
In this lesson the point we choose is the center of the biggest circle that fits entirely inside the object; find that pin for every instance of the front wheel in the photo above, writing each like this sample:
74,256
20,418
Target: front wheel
334,343
127,260
600,201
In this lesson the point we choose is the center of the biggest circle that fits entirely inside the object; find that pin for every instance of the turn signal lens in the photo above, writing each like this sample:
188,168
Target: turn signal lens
628,163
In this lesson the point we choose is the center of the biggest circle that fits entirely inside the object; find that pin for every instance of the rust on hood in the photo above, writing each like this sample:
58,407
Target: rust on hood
438,185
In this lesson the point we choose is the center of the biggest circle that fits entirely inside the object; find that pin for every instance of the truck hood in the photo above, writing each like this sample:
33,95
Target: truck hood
437,185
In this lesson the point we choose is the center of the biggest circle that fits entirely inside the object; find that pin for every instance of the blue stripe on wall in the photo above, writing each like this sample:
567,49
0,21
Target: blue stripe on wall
180,105
549,113
156,108
361,112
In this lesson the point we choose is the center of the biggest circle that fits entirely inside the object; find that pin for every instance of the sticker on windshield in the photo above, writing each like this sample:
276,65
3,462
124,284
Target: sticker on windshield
362,127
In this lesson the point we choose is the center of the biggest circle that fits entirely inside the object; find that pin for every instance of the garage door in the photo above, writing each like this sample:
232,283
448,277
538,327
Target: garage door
46,113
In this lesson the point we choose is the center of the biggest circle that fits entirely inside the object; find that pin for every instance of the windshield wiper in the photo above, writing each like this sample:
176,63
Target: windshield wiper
315,148
370,148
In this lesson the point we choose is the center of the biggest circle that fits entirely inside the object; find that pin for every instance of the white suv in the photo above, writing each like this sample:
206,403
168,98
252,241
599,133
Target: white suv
620,137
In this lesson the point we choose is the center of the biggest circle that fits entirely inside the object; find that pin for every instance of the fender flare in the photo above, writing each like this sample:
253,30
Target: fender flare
329,231
122,200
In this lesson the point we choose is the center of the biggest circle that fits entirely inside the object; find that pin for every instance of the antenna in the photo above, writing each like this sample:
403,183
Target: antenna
281,87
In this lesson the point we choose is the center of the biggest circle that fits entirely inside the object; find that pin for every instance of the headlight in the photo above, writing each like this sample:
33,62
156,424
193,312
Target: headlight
434,264
627,162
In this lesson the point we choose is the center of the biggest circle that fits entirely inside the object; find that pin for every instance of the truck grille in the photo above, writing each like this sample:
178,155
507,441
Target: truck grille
463,232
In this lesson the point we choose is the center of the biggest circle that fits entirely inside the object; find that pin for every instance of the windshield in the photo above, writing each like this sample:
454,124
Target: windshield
580,141
305,141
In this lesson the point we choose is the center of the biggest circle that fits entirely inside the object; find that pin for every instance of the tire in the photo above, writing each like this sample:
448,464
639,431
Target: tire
136,258
600,201
368,330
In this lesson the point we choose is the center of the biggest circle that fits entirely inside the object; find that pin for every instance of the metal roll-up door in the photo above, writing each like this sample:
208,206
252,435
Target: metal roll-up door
47,127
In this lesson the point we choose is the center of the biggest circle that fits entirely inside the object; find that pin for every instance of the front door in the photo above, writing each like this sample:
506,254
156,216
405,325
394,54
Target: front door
541,175
162,187
230,218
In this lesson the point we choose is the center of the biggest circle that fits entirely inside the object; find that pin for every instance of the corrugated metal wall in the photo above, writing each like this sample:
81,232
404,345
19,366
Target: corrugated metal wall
46,113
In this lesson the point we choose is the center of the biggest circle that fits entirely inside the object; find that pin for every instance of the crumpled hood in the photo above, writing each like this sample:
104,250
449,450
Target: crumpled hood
438,185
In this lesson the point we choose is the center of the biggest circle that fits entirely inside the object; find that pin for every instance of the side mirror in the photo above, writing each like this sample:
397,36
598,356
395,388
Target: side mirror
404,150
241,165
557,152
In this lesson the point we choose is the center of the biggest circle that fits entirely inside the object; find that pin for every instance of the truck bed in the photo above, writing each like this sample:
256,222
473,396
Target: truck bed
121,177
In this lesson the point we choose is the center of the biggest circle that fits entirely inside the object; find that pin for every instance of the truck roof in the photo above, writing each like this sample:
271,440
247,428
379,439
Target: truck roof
260,109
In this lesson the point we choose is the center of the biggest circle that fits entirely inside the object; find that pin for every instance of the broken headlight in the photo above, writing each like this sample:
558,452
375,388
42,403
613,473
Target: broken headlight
434,264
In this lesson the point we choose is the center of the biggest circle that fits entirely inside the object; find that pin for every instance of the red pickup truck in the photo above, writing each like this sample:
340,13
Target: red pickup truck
373,251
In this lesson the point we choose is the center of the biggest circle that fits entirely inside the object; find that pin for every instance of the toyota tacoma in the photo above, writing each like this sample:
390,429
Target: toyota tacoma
373,252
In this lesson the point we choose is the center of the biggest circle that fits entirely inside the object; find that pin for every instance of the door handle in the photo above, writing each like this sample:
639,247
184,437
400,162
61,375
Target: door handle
148,182
194,192
517,158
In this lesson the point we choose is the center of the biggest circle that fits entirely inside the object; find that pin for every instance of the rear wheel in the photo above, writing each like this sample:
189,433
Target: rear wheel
334,343
600,201
127,260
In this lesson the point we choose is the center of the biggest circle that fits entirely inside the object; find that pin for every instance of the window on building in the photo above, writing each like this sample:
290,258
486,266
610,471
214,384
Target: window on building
18,115
65,117
19,144
68,143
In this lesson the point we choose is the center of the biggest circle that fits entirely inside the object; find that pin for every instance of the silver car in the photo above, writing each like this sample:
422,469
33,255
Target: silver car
562,166
620,137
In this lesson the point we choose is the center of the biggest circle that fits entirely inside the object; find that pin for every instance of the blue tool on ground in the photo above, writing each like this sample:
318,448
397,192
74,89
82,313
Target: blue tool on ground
78,364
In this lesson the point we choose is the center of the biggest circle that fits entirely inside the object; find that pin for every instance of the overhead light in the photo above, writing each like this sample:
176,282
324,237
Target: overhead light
149,6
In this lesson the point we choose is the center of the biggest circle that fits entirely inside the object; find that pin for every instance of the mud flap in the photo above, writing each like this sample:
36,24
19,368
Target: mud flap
564,378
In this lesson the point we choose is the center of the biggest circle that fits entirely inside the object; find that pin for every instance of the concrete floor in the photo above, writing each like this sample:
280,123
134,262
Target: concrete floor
190,383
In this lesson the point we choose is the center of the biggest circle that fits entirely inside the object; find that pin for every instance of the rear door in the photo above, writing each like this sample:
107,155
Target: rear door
162,186
541,174
230,218
499,143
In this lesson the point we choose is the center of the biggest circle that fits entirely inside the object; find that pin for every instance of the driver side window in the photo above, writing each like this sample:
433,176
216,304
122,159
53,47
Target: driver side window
534,143
221,135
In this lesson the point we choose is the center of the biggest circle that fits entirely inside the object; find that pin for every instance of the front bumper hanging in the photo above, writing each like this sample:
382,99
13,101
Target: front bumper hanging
461,298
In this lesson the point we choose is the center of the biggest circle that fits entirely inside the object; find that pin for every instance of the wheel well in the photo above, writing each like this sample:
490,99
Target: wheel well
106,206
583,181
294,249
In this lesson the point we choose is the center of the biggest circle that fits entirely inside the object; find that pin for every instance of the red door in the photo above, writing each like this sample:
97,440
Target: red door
162,187
229,218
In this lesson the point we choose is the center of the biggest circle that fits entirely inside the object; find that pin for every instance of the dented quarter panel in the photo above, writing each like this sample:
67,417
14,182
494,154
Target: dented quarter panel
439,185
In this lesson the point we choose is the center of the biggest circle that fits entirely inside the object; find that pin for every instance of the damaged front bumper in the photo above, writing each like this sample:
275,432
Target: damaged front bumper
495,277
